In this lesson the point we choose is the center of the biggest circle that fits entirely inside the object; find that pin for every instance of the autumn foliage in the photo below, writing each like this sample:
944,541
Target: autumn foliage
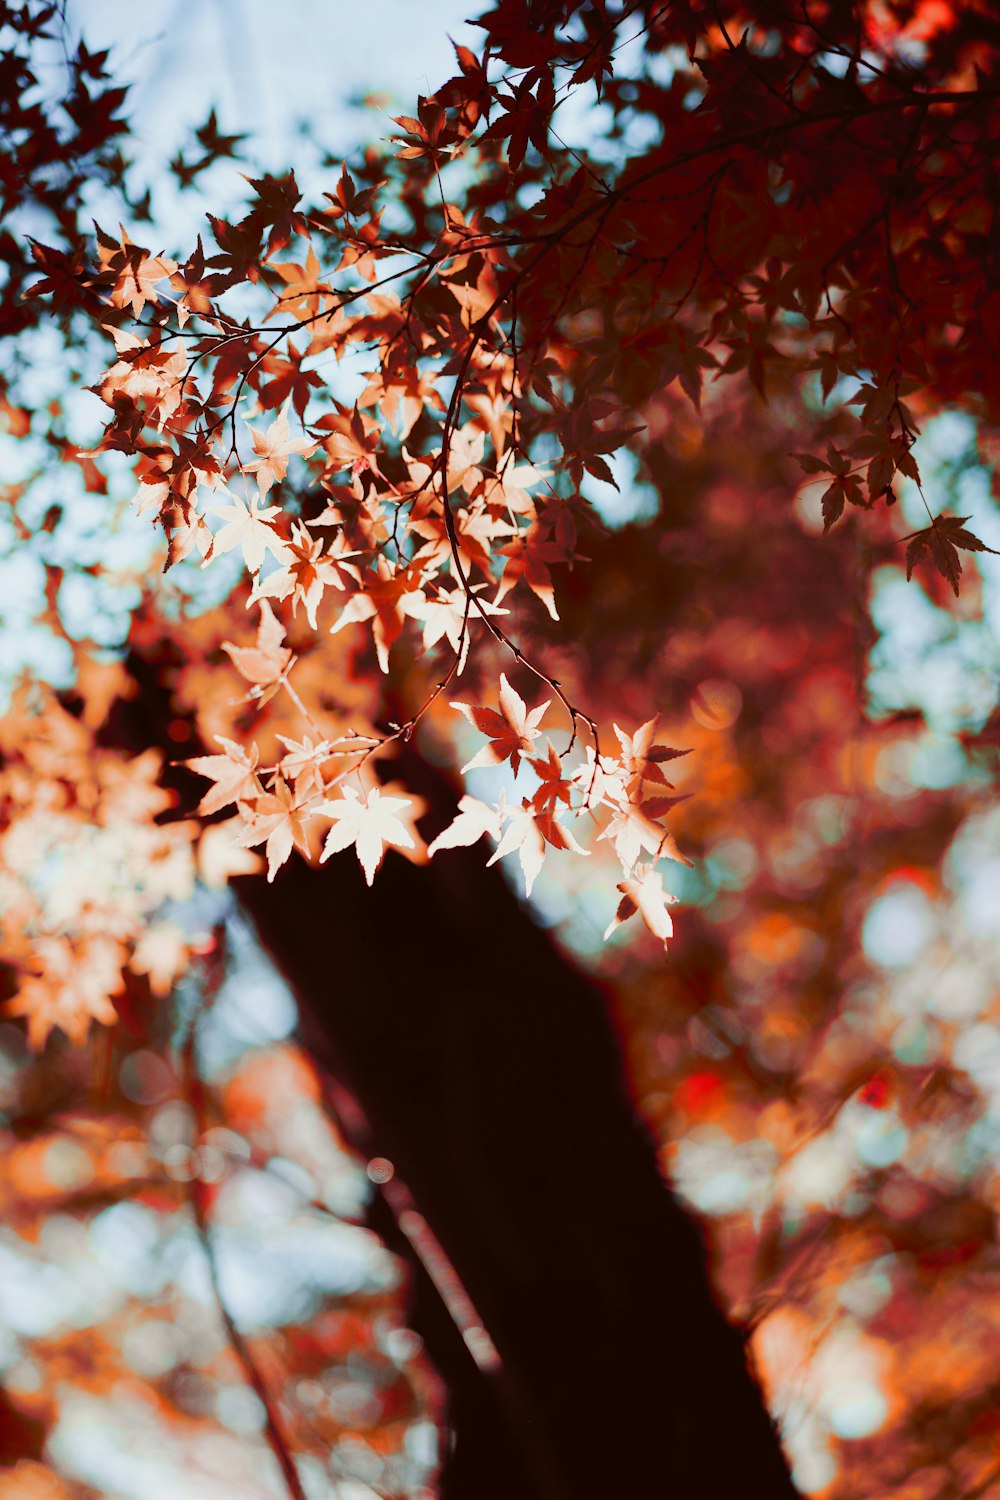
395,442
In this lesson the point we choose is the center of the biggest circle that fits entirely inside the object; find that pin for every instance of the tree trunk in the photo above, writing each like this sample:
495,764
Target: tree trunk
489,1074
466,1049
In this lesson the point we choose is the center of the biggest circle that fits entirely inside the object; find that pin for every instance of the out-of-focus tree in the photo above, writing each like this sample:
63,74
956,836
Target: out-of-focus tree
568,422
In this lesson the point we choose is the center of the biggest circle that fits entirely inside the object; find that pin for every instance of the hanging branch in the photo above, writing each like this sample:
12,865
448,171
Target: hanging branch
274,1431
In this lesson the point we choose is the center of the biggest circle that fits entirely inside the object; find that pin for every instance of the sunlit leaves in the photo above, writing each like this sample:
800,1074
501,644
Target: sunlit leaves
84,863
645,894
234,774
473,820
273,449
248,527
451,616
523,837
69,986
512,729
137,273
809,229
264,663
278,820
370,821
511,343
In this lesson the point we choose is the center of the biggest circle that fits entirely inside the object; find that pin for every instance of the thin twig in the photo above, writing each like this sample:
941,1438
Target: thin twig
198,1192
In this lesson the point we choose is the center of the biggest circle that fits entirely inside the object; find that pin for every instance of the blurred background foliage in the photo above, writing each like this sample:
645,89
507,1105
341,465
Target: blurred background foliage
819,1063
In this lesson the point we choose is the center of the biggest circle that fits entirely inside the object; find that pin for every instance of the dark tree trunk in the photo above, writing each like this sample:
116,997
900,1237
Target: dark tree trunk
462,1046
488,1072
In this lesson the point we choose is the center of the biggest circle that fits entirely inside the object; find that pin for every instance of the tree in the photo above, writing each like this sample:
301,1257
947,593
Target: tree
386,421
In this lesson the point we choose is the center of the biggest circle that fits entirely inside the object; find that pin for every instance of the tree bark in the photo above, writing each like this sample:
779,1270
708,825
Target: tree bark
488,1072
464,1047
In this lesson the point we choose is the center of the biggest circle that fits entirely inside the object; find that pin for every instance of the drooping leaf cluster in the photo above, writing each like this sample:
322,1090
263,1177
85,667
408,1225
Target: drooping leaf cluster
754,286
812,201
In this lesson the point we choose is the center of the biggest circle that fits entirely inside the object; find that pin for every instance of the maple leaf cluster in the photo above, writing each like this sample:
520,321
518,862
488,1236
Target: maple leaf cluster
85,868
513,342
379,421
624,797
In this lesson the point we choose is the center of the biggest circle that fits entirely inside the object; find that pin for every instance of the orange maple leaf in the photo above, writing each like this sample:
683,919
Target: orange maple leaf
273,449
234,774
369,821
264,663
644,894
278,820
511,732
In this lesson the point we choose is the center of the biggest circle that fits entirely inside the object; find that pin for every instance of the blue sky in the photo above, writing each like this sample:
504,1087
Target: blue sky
266,66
